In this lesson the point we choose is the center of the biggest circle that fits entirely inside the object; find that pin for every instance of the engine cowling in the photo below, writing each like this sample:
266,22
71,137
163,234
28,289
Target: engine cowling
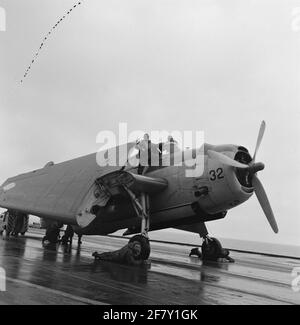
226,186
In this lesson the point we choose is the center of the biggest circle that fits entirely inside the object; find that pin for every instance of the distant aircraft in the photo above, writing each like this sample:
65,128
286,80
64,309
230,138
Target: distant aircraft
98,200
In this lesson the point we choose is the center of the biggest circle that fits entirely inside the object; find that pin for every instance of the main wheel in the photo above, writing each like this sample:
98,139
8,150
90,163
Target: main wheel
9,227
141,247
211,249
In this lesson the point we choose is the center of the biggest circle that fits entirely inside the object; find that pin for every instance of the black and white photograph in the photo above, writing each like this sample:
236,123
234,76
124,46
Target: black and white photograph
150,155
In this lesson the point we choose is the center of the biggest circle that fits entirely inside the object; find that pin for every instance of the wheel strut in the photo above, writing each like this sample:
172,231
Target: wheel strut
141,207
212,250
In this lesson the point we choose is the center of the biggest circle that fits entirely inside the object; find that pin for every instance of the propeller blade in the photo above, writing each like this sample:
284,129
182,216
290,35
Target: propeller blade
259,138
264,202
256,167
225,159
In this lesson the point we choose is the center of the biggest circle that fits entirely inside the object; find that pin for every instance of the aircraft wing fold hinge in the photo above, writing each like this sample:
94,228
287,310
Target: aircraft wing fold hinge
115,181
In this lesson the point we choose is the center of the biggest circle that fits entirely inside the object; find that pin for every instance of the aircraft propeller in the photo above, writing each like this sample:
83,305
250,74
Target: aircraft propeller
252,169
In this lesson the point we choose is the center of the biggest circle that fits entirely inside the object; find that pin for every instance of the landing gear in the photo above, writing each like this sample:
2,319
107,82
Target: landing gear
141,241
140,247
14,223
137,251
212,250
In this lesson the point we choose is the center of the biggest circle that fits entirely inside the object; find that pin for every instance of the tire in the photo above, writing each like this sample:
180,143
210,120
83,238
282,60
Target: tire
25,225
212,249
10,224
145,247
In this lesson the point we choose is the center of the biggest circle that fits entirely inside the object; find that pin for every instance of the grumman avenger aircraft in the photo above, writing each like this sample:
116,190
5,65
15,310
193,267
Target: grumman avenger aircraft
98,200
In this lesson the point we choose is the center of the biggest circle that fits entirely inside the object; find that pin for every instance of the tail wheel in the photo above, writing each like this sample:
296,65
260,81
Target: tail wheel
140,247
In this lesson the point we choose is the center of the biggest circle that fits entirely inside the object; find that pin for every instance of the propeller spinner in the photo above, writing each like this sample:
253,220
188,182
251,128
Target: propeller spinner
252,169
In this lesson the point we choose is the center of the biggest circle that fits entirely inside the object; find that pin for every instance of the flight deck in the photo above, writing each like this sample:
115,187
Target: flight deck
70,275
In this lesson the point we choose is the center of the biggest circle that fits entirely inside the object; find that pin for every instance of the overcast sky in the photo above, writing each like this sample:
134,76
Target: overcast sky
212,65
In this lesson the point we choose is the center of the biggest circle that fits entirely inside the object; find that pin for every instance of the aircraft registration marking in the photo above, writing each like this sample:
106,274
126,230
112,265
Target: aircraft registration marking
216,174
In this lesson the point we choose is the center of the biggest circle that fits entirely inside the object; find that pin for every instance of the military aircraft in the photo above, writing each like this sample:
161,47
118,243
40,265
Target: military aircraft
98,200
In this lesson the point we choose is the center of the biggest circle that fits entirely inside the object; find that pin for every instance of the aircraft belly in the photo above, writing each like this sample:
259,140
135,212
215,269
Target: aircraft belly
172,213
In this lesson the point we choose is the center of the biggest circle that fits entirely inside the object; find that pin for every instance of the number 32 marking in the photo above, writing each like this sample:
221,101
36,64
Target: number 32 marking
216,174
